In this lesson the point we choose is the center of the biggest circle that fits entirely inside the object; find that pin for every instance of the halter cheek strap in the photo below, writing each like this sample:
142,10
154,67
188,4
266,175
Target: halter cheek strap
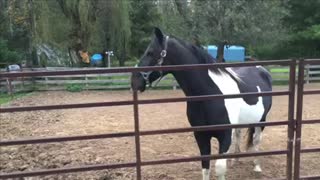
163,54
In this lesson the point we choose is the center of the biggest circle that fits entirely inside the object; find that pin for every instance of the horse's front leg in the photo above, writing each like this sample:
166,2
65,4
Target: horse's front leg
224,145
203,141
254,147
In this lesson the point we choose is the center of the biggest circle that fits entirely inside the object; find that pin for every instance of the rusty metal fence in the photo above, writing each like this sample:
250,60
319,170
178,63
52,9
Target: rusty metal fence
293,133
300,121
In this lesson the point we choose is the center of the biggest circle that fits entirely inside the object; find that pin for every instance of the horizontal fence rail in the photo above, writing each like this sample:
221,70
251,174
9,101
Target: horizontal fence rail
137,132
112,81
147,101
143,163
142,133
144,69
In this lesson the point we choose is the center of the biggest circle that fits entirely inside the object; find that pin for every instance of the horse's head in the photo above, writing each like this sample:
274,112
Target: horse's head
154,55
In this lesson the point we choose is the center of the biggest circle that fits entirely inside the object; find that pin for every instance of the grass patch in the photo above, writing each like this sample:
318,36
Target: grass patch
74,87
280,83
6,98
279,70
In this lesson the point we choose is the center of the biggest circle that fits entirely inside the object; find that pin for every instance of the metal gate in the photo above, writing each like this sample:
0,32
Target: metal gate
292,152
300,121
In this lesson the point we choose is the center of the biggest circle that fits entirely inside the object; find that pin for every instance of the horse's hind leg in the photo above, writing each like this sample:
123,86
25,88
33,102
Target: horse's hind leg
236,141
204,144
254,146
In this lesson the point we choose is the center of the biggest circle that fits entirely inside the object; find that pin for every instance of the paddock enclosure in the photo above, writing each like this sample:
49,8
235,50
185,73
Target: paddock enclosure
138,146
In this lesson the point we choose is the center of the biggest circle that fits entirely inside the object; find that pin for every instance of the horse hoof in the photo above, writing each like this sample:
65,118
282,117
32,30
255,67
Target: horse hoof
257,168
221,178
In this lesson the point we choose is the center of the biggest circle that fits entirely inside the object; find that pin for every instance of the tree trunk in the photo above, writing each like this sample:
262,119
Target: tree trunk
220,52
32,60
74,58
123,54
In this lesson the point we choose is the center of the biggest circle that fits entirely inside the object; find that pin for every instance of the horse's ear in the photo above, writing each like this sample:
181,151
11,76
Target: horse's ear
159,34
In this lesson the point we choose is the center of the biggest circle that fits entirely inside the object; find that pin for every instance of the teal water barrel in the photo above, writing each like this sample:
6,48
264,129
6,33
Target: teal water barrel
96,60
231,54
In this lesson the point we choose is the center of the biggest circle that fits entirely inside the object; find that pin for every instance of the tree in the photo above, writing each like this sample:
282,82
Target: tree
56,29
81,14
15,29
304,21
144,16
120,31
8,56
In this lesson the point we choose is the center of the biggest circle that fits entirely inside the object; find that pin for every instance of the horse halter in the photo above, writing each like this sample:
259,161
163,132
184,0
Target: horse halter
163,54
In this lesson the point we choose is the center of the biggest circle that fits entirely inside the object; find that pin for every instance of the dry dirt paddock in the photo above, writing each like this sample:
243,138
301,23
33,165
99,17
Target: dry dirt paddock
118,119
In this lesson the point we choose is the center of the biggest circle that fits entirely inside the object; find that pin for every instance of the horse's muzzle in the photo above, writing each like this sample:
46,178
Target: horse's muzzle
138,83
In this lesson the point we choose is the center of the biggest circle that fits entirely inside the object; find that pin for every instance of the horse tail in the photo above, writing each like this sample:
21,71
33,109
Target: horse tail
250,137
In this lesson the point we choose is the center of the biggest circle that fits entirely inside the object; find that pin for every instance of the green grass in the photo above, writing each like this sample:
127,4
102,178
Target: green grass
74,87
5,98
279,70
280,73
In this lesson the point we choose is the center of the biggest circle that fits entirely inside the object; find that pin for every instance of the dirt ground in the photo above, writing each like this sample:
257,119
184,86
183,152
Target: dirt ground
118,119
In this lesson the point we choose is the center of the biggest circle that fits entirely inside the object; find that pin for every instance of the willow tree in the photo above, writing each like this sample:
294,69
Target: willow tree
81,14
119,31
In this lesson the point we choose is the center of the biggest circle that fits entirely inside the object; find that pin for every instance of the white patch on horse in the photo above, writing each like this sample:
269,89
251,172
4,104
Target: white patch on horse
221,168
205,174
239,111
255,148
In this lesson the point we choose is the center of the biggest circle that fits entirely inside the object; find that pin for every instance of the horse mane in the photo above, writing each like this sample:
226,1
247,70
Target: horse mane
204,57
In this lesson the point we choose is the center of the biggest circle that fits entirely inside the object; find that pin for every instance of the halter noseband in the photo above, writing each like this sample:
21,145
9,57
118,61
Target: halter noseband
163,54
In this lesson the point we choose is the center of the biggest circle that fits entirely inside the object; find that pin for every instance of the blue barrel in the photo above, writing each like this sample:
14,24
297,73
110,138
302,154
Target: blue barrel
231,54
212,50
96,60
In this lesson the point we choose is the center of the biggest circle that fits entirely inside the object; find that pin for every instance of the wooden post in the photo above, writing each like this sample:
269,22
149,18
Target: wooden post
47,86
86,81
9,86
22,85
308,73
174,84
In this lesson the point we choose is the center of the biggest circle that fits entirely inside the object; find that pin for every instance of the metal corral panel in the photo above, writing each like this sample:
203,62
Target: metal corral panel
231,54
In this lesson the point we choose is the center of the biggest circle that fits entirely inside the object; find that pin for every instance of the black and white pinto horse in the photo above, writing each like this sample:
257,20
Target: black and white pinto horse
165,50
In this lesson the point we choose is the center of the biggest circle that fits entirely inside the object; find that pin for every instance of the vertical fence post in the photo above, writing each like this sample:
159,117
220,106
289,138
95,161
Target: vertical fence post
46,81
137,133
307,73
298,120
22,84
9,86
291,125
174,84
86,81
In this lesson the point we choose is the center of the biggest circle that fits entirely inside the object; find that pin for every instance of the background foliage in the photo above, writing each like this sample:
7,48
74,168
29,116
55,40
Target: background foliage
51,32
